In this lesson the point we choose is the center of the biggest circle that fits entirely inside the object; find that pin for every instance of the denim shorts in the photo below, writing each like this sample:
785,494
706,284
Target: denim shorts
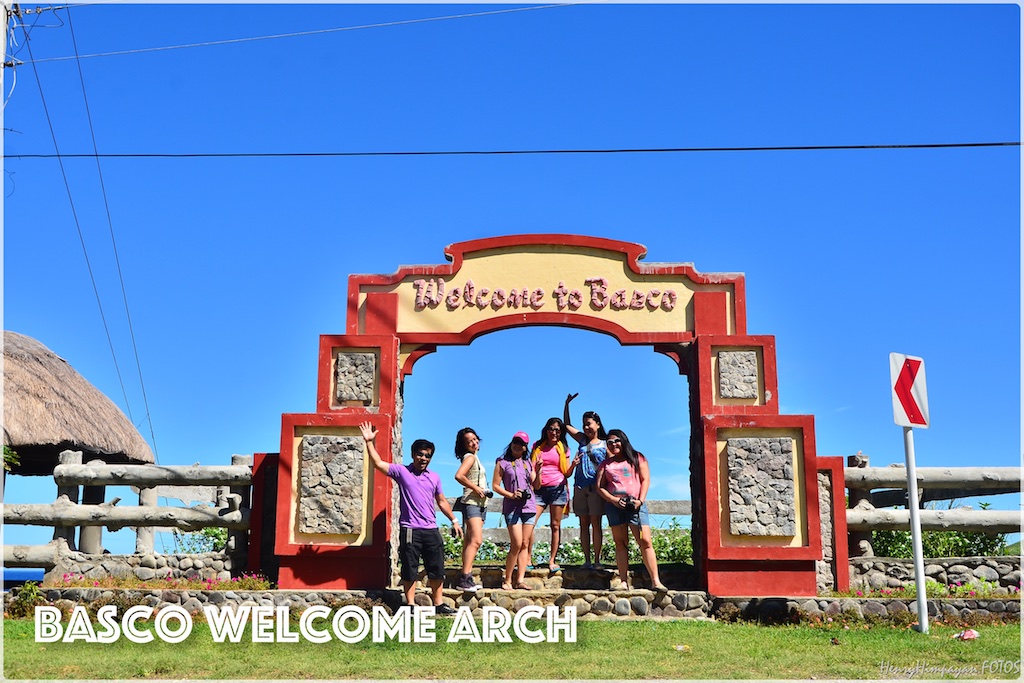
518,517
471,511
553,495
617,516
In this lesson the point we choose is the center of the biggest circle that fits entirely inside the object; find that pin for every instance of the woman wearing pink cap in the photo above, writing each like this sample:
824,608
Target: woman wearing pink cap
513,481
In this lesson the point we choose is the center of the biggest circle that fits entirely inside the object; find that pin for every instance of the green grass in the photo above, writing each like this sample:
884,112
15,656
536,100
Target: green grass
604,650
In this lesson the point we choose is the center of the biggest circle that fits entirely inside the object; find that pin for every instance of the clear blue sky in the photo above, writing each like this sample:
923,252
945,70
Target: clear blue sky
233,267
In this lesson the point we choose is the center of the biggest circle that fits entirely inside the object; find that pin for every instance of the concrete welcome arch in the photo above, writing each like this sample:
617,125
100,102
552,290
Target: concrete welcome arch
762,499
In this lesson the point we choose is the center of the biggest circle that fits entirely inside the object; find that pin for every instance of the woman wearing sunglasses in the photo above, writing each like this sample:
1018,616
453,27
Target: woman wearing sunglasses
623,480
513,481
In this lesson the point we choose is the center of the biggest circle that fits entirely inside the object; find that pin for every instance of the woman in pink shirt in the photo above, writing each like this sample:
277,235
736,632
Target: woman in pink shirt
623,479
552,467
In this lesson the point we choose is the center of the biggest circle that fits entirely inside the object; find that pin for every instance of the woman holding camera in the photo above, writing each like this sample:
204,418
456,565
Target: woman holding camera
513,481
473,502
623,480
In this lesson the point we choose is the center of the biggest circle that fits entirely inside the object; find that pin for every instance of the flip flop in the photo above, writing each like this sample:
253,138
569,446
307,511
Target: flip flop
523,587
660,588
506,586
555,569
587,565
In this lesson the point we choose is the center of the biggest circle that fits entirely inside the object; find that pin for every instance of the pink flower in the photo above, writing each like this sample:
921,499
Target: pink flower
860,594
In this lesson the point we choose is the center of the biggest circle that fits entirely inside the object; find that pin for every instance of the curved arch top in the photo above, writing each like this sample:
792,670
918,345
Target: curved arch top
546,279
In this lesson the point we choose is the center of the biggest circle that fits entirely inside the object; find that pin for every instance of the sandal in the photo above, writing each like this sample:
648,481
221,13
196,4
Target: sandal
660,588
523,587
506,586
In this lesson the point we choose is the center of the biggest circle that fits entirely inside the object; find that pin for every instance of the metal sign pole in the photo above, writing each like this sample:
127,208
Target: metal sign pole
915,531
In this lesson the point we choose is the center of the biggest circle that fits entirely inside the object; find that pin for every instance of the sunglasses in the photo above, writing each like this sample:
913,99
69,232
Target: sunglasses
613,442
519,443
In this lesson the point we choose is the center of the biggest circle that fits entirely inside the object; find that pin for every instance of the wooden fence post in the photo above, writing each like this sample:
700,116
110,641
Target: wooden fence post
91,537
859,541
144,534
71,491
238,540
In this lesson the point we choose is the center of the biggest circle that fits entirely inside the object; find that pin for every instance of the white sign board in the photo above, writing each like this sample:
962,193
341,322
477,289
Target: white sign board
909,391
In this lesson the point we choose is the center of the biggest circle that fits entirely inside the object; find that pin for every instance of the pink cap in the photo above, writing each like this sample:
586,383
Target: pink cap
522,436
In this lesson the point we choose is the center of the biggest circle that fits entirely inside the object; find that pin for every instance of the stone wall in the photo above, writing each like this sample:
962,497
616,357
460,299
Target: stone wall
778,610
826,566
737,374
203,566
761,493
889,572
331,484
589,604
354,377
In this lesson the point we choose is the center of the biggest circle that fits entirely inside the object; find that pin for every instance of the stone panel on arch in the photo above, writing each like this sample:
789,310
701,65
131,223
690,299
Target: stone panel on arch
761,489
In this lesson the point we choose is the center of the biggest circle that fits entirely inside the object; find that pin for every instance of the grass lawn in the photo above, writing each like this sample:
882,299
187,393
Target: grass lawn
604,650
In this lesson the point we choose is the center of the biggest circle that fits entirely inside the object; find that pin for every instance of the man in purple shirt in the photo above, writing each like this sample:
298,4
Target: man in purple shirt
419,537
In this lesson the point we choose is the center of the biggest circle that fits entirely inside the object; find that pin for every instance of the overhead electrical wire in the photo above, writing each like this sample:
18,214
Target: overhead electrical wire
113,242
78,225
297,34
511,152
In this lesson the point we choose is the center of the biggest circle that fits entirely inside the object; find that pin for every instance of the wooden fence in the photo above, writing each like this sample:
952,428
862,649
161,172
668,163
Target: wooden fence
233,484
873,488
870,490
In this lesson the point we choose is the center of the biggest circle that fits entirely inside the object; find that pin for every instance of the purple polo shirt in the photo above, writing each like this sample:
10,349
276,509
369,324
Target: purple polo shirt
418,494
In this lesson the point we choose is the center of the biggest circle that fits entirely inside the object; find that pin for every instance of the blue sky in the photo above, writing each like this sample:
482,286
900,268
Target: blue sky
233,267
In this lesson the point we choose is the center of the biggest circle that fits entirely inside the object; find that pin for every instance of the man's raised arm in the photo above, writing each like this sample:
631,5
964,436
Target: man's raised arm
370,437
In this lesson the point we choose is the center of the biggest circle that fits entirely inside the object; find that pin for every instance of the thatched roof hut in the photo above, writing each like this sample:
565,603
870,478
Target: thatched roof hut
49,408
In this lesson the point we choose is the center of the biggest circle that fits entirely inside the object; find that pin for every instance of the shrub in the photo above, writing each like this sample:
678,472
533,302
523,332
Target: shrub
209,540
887,543
24,603
671,544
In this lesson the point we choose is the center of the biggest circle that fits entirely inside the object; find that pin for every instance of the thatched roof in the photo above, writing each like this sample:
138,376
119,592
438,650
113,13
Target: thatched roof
49,408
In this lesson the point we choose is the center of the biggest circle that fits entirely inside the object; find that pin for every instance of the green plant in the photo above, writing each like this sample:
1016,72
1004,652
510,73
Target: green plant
209,540
672,543
11,458
891,543
974,590
25,600
888,543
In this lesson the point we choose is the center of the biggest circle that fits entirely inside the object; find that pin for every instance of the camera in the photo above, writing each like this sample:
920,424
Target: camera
628,501
489,494
523,494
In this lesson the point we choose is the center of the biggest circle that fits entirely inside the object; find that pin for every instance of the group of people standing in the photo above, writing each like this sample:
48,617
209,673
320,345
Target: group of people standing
609,478
605,477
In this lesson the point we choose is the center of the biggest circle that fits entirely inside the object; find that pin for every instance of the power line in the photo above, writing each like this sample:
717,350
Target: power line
297,34
78,225
113,241
509,152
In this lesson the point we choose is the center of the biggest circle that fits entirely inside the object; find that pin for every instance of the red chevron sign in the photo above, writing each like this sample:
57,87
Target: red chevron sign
909,392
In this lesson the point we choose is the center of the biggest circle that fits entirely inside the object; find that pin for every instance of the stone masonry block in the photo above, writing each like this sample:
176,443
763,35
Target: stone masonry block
354,376
761,487
737,374
331,485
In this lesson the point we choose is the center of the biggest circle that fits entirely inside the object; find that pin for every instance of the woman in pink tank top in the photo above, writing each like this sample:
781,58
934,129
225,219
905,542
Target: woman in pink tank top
623,479
552,467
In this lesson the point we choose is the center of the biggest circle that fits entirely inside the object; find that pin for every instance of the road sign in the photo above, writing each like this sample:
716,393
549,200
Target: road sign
909,392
